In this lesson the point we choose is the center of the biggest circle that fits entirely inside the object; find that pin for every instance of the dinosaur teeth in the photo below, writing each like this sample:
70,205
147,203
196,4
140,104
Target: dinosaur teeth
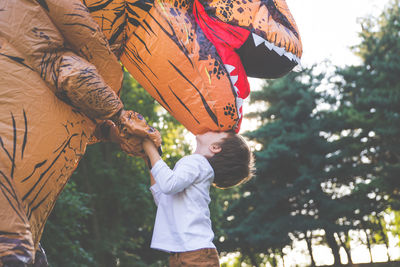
258,39
297,60
289,55
234,79
269,45
239,103
229,68
299,66
279,50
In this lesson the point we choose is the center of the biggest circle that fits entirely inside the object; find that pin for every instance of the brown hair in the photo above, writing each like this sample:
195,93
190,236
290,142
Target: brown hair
234,164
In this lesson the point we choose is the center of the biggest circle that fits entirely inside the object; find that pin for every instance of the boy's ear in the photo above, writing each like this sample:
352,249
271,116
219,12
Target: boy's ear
215,148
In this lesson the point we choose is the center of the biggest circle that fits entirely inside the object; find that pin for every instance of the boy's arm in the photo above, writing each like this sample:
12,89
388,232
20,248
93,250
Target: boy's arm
167,180
152,181
151,151
149,148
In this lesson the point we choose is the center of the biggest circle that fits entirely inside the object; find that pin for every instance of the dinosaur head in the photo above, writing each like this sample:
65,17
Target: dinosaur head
192,56
274,47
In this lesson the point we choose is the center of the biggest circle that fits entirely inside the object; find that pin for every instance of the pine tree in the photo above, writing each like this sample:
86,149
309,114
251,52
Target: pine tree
367,159
286,198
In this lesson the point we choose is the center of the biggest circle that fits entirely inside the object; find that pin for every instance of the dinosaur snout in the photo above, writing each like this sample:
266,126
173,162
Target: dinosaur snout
263,59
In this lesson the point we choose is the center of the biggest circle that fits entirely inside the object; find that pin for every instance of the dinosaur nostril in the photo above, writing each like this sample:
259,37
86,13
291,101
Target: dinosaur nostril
280,18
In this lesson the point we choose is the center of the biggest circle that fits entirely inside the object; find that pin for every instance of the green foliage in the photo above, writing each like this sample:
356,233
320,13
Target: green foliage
65,239
334,170
286,195
395,224
368,121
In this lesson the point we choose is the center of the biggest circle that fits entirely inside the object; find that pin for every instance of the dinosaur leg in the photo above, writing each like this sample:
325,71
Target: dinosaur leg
40,258
16,245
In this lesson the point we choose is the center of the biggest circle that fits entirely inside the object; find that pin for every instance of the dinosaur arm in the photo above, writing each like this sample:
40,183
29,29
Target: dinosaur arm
68,50
83,34
79,83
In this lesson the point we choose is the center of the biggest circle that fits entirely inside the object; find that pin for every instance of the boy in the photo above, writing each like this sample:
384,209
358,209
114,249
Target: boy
183,224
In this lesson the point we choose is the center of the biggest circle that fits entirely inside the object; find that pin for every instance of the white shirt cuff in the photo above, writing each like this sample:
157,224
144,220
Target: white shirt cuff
157,168
155,188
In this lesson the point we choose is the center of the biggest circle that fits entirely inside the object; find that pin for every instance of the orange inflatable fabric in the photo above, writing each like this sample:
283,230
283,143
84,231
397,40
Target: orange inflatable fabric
60,75
167,52
46,55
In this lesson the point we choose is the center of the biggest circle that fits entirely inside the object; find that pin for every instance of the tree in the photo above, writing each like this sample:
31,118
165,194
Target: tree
369,106
65,227
367,128
286,196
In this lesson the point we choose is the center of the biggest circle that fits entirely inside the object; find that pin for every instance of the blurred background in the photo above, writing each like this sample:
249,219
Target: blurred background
326,140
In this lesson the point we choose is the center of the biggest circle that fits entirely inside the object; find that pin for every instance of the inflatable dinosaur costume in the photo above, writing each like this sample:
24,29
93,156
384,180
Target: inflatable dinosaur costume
60,76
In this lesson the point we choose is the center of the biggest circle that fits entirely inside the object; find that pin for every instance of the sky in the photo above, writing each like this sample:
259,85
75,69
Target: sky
328,28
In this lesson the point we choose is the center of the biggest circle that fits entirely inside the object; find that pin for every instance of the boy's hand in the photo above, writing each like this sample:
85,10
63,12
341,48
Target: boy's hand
151,151
148,145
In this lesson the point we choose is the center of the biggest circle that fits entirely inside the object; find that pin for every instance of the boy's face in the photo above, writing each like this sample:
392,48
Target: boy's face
207,143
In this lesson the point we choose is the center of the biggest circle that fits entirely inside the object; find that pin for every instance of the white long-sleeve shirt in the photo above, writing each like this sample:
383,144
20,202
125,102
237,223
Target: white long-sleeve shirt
182,196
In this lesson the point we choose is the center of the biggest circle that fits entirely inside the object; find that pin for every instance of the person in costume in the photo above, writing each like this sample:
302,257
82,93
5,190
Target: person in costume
58,80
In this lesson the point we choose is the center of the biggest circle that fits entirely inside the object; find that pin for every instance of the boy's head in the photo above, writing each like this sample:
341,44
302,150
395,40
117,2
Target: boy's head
229,155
